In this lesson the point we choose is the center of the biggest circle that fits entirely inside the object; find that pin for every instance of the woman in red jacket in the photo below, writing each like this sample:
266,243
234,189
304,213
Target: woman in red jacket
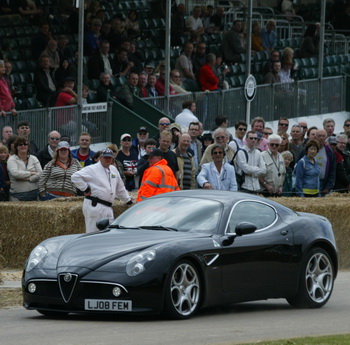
207,78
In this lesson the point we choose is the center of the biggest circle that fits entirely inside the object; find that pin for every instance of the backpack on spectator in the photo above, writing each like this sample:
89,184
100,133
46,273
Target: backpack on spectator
240,178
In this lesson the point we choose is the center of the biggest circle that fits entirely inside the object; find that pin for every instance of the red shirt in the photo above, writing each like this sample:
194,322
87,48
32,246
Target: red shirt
63,99
160,87
6,101
207,79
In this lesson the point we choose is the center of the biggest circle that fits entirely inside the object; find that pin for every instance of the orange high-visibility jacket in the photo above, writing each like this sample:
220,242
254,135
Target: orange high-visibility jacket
157,179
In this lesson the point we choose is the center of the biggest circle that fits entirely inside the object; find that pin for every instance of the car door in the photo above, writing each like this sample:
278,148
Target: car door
258,265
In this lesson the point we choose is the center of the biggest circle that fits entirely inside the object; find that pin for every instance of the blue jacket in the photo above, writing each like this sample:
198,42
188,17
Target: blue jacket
85,163
307,176
227,180
268,39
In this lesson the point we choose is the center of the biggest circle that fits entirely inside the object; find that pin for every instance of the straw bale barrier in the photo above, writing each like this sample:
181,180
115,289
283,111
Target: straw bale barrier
25,224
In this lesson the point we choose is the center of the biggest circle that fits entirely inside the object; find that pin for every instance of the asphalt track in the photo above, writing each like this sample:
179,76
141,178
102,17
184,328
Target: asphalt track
234,324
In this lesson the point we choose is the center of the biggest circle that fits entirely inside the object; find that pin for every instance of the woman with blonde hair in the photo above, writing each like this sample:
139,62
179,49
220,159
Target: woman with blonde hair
256,37
55,180
288,181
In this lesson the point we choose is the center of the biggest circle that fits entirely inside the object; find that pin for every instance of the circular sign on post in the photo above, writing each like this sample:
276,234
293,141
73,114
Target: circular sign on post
250,88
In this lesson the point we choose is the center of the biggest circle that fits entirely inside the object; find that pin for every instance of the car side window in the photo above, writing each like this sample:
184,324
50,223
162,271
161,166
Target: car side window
260,214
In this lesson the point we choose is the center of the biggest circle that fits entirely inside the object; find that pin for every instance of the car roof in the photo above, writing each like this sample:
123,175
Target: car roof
225,197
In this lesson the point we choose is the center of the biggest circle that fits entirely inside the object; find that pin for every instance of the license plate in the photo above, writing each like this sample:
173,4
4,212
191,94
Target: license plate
107,305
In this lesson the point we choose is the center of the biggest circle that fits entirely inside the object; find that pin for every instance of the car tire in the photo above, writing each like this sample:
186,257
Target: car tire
52,313
182,291
316,280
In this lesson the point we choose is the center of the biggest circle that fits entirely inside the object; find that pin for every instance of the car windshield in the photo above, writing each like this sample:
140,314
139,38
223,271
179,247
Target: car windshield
182,214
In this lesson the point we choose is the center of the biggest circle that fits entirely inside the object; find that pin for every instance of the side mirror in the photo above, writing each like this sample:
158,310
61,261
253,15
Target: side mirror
102,224
245,228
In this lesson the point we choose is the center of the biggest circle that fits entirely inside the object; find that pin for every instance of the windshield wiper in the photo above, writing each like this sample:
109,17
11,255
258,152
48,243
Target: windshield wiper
157,227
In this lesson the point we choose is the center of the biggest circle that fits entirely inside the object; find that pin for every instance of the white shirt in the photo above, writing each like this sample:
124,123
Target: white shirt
236,142
185,118
105,184
254,167
193,23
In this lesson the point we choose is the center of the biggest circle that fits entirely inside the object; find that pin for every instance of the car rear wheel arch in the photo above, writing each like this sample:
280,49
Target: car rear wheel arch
316,279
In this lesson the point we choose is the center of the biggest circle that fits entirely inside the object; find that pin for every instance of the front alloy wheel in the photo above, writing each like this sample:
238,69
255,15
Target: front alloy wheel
183,291
316,280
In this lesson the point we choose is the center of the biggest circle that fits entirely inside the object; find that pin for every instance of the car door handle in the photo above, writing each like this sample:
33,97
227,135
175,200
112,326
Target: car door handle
284,232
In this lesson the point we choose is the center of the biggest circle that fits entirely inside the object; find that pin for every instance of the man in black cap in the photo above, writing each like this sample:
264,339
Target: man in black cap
138,144
158,178
101,184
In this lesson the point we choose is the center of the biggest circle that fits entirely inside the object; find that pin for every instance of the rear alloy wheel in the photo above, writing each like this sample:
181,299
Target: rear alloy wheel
183,291
316,280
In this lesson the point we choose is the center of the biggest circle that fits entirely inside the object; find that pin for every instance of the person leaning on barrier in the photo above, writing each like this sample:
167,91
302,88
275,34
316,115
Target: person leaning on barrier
307,172
221,137
47,154
55,179
24,170
288,180
158,178
272,181
217,174
23,129
342,170
251,163
83,153
101,184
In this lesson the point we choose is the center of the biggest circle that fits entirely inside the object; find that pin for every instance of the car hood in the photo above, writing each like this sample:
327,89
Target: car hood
96,249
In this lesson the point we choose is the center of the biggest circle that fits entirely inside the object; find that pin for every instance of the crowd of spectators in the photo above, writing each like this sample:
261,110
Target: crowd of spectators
303,160
111,48
111,53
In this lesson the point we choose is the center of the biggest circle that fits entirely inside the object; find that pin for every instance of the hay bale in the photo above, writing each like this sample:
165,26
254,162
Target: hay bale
25,224
336,209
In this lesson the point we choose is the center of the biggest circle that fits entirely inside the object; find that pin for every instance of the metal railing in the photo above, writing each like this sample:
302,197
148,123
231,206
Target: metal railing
272,101
96,119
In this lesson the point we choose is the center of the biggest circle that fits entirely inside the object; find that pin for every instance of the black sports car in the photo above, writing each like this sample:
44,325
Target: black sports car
180,251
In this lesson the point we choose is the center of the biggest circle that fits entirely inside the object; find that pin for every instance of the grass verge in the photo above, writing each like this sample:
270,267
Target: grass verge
10,298
343,339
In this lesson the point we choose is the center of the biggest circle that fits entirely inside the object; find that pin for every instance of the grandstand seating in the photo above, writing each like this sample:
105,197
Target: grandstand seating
16,33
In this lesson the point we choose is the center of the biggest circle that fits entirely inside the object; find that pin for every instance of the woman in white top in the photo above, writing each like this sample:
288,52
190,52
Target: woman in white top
272,181
217,174
24,171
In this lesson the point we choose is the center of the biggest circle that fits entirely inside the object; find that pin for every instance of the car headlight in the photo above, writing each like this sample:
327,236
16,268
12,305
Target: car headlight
140,262
35,257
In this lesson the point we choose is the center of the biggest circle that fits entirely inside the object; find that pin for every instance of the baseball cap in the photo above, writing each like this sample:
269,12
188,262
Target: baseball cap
332,140
107,153
154,153
143,129
63,145
125,135
69,79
